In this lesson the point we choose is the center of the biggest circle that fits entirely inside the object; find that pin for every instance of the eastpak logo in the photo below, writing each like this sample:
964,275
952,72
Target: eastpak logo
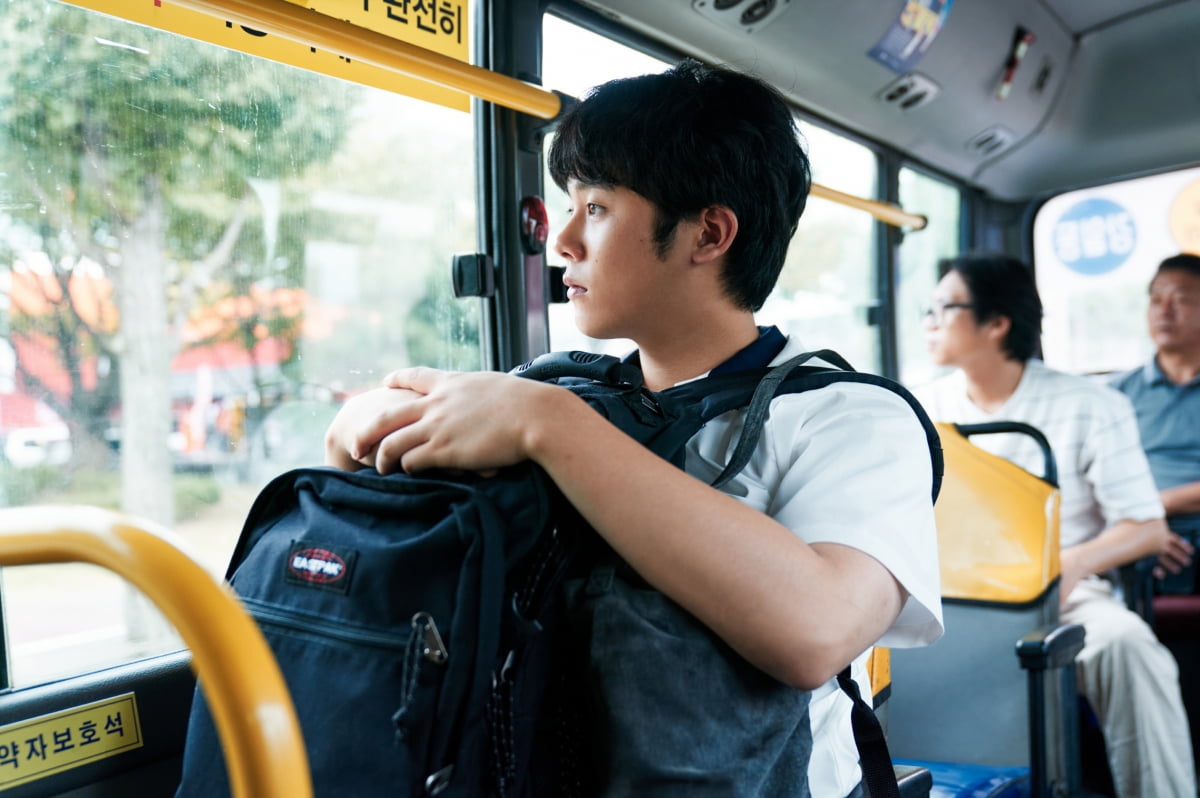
319,565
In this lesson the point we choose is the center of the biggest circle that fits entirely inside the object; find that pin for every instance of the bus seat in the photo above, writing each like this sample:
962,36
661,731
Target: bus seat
1177,624
966,699
1172,608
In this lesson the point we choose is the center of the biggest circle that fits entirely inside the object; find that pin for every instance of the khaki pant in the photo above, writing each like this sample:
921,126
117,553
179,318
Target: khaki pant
1132,683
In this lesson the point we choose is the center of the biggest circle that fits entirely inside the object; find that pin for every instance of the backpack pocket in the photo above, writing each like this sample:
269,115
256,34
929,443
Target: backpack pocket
683,714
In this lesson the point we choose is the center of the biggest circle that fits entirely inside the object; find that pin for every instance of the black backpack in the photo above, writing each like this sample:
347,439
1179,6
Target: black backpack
435,630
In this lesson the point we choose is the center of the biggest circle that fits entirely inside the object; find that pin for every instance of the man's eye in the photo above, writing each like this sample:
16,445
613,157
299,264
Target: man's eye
593,207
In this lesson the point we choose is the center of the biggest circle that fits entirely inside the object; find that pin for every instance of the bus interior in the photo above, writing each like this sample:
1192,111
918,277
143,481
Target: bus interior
221,218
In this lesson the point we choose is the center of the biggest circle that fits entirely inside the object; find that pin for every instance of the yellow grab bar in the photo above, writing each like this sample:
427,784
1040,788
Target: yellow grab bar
295,23
291,21
250,703
883,211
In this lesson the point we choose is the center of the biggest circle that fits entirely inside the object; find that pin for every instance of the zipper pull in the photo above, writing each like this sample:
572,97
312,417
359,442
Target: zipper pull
434,649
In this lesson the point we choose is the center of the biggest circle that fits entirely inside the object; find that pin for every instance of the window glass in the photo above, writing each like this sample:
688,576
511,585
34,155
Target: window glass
203,254
828,281
574,60
1095,251
917,261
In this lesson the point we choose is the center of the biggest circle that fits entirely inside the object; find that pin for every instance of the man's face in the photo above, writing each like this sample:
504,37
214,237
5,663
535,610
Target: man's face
1174,311
952,334
617,283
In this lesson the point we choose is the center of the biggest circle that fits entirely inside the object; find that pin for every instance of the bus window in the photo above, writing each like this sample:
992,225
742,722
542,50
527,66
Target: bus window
917,266
1095,251
828,281
574,60
203,253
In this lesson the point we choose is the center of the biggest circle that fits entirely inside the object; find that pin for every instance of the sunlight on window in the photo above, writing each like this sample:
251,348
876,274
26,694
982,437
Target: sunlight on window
1095,251
917,262
828,280
204,253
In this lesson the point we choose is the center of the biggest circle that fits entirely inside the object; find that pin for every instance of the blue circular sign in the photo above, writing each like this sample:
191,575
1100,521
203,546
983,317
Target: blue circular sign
1095,236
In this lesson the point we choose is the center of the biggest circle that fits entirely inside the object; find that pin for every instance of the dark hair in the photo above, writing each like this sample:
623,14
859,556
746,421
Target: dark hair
1002,286
1183,262
688,139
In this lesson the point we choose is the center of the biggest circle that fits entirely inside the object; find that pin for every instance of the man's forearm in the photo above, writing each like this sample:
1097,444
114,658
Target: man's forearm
1123,542
1181,499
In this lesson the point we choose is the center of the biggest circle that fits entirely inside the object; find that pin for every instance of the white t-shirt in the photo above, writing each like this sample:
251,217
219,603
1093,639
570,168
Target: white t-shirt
845,464
1102,471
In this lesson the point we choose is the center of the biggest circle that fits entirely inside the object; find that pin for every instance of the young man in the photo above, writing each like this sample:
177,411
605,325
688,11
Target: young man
1166,397
986,320
685,189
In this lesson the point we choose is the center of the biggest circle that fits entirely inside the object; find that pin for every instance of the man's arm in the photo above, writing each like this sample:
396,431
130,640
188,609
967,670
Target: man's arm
1123,542
1181,499
798,612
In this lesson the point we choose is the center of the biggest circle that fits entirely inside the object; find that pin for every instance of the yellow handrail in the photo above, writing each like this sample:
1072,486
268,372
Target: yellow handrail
884,212
295,23
250,703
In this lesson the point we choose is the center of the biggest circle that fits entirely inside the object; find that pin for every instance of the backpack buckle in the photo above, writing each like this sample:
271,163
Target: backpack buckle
439,780
600,580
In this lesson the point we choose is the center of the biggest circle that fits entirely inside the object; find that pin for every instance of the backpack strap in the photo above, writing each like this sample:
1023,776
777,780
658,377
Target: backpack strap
709,397
760,402
874,757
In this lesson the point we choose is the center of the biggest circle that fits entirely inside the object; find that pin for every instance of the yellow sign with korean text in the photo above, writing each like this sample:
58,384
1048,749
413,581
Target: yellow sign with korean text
436,25
32,749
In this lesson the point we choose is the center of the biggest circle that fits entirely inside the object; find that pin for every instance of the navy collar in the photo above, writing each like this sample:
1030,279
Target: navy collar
758,354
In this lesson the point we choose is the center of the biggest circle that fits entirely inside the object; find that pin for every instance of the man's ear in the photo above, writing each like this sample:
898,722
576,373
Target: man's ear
997,328
718,226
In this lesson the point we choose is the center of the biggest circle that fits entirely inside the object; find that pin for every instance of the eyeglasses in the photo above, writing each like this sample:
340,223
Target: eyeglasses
936,313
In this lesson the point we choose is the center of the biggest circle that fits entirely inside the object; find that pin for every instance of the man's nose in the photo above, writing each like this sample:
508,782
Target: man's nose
566,242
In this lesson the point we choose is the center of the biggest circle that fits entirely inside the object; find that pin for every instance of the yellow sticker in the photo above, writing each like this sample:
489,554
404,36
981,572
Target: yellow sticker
39,747
436,25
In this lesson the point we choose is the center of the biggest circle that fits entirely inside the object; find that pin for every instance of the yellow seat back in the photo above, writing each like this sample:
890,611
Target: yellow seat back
964,699
997,526
879,670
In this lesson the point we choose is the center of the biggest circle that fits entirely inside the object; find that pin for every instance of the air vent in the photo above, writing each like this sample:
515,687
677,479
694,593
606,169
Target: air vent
909,92
747,16
991,141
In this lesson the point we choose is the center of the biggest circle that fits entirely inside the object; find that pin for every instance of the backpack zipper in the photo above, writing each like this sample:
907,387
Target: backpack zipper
273,616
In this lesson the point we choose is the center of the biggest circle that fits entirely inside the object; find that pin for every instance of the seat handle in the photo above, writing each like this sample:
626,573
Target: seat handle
250,702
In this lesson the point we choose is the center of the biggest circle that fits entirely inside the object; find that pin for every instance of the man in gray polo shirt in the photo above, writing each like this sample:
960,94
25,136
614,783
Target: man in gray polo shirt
1166,396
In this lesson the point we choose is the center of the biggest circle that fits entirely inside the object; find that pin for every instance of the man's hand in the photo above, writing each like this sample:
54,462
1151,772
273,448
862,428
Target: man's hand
353,436
1177,556
426,418
474,421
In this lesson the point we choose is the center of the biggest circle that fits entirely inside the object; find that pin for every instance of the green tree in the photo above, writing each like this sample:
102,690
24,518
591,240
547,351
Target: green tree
130,152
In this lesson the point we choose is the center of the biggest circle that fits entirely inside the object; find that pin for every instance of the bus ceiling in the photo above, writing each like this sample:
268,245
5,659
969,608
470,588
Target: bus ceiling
421,67
1021,99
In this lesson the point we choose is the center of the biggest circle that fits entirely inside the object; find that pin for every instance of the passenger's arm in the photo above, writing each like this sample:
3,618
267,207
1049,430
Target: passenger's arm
1178,500
1181,499
798,612
1123,542
801,613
